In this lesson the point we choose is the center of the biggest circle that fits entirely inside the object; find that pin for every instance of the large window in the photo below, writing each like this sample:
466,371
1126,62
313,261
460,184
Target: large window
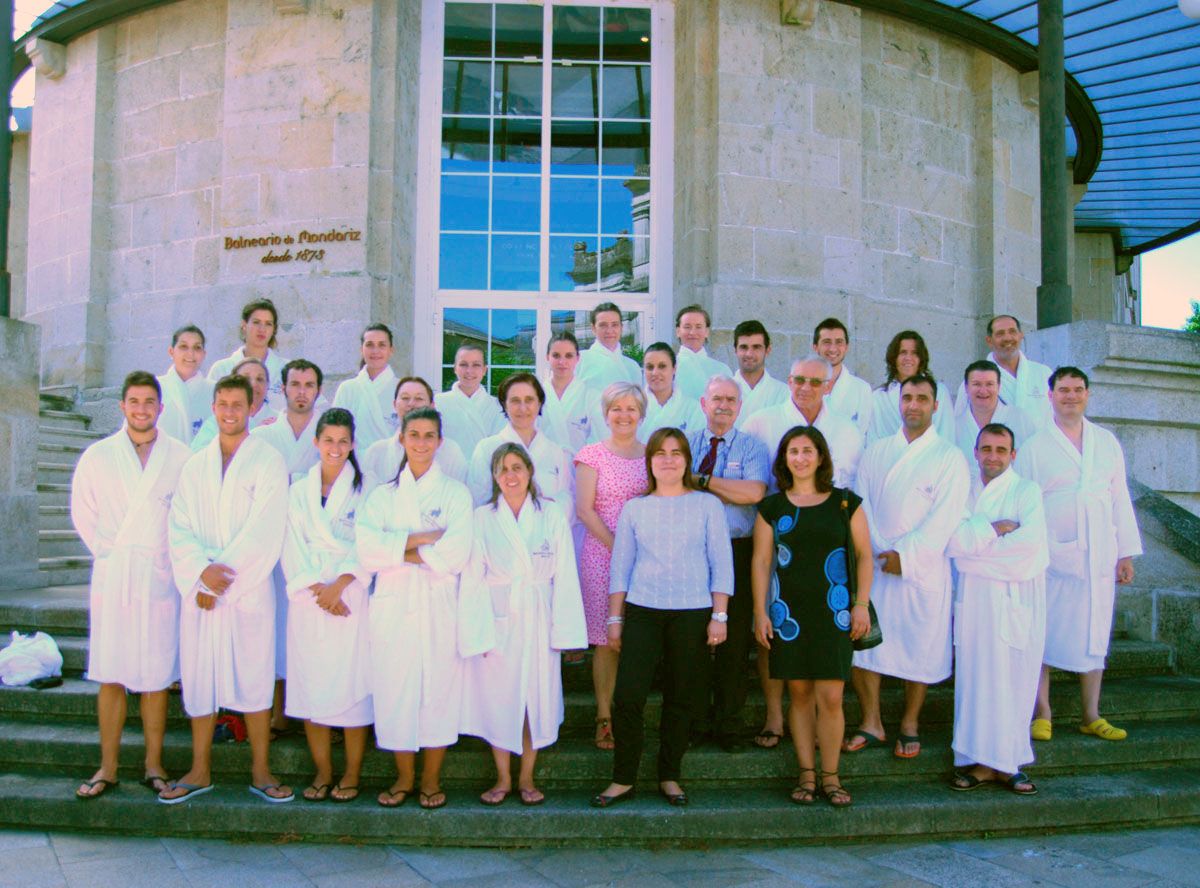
543,180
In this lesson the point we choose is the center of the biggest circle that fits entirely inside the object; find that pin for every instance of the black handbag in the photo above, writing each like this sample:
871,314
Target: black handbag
874,636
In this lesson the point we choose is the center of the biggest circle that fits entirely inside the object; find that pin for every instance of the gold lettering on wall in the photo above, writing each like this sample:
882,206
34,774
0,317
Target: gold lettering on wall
288,240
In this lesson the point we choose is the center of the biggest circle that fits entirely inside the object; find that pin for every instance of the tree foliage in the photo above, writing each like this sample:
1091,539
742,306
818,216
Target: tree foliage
1192,324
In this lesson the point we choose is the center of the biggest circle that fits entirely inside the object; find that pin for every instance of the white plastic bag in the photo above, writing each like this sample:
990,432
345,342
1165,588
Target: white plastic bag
29,657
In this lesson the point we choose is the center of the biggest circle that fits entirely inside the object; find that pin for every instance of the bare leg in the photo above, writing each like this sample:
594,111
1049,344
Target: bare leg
153,707
604,681
529,790
431,776
356,747
831,722
279,721
405,778
1042,709
801,723
258,727
110,713
503,785
1089,693
201,770
866,685
914,699
321,750
773,692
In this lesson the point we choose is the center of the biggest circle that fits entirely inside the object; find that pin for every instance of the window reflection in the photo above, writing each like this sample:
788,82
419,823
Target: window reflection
575,91
468,30
464,203
465,144
466,87
518,147
517,204
518,31
573,147
626,149
505,335
462,262
627,35
514,262
576,32
573,205
518,89
627,91
573,263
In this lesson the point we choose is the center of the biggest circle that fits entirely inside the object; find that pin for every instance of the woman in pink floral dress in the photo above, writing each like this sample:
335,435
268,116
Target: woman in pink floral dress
607,475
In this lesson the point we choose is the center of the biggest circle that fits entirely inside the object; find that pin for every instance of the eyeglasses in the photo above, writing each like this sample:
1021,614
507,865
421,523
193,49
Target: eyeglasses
814,381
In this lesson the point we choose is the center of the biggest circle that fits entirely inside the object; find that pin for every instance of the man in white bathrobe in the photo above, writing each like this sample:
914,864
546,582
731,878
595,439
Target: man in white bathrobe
1093,538
469,412
603,363
382,459
982,405
1000,556
914,486
226,531
752,346
695,366
120,495
848,395
187,393
369,395
1022,381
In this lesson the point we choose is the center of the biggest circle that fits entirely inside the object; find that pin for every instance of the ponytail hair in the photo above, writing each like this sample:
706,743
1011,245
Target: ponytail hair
410,417
343,419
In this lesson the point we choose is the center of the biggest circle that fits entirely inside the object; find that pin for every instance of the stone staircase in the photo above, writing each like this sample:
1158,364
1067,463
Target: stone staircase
48,743
63,434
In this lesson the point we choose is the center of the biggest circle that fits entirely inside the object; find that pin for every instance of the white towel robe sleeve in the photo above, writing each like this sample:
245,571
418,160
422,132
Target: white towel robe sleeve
1091,524
914,496
329,658
382,460
522,583
851,397
186,405
966,429
769,392
694,369
844,440
372,402
679,412
599,368
120,511
416,684
999,623
468,420
227,654
885,413
552,469
569,421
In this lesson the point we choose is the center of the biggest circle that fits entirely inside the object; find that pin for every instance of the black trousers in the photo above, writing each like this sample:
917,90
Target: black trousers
730,673
677,639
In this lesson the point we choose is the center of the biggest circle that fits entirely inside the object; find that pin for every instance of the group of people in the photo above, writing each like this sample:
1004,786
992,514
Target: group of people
424,562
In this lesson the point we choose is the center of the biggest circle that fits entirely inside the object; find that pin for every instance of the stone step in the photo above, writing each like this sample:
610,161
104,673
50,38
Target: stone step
65,570
54,518
61,452
924,808
61,543
72,435
54,494
63,419
59,609
58,397
55,472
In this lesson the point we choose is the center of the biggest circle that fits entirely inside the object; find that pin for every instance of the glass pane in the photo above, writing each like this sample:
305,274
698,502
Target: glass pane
573,263
621,200
578,321
448,378
574,91
514,262
462,326
518,32
512,338
518,147
518,89
516,204
462,262
468,30
465,144
573,147
576,32
626,149
627,91
573,205
466,87
627,35
625,264
464,203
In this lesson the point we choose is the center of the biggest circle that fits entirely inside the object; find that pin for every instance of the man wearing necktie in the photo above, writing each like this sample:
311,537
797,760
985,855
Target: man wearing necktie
734,467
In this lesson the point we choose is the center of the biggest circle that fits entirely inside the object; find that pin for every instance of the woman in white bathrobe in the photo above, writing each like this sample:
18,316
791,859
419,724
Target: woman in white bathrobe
415,534
519,606
329,659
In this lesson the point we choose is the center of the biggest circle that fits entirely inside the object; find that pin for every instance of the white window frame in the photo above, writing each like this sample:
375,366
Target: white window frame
429,300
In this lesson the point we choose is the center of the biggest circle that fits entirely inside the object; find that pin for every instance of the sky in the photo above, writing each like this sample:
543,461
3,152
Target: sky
1170,275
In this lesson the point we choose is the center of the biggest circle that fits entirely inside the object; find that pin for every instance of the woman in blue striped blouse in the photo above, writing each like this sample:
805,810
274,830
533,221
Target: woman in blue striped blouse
672,575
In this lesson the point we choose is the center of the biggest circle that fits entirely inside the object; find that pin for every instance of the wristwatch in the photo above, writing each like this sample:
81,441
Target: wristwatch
702,481
720,617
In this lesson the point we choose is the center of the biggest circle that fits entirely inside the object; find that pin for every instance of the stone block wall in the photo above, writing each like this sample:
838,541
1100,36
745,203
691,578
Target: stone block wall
18,222
19,347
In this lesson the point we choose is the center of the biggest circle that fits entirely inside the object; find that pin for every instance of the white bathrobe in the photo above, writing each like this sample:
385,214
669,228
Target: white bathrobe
914,497
694,369
844,440
227,654
329,658
382,459
1028,390
599,368
552,468
520,603
120,512
570,421
966,429
467,421
186,404
416,683
372,401
769,392
300,454
1091,525
851,397
680,412
885,413
274,363
999,622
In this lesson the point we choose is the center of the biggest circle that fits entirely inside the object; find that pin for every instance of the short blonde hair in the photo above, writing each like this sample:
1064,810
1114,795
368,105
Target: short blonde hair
619,390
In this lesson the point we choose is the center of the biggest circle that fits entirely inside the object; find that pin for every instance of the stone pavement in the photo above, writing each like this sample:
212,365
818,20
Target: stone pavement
1158,857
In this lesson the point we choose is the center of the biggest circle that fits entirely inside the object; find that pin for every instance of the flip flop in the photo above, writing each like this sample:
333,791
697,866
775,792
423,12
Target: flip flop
532,797
90,784
869,741
767,739
426,800
965,782
261,792
150,779
340,788
192,790
394,798
1020,777
903,740
494,801
321,793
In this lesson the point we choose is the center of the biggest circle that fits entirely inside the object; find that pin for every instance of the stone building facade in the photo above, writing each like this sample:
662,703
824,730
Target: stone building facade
189,157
